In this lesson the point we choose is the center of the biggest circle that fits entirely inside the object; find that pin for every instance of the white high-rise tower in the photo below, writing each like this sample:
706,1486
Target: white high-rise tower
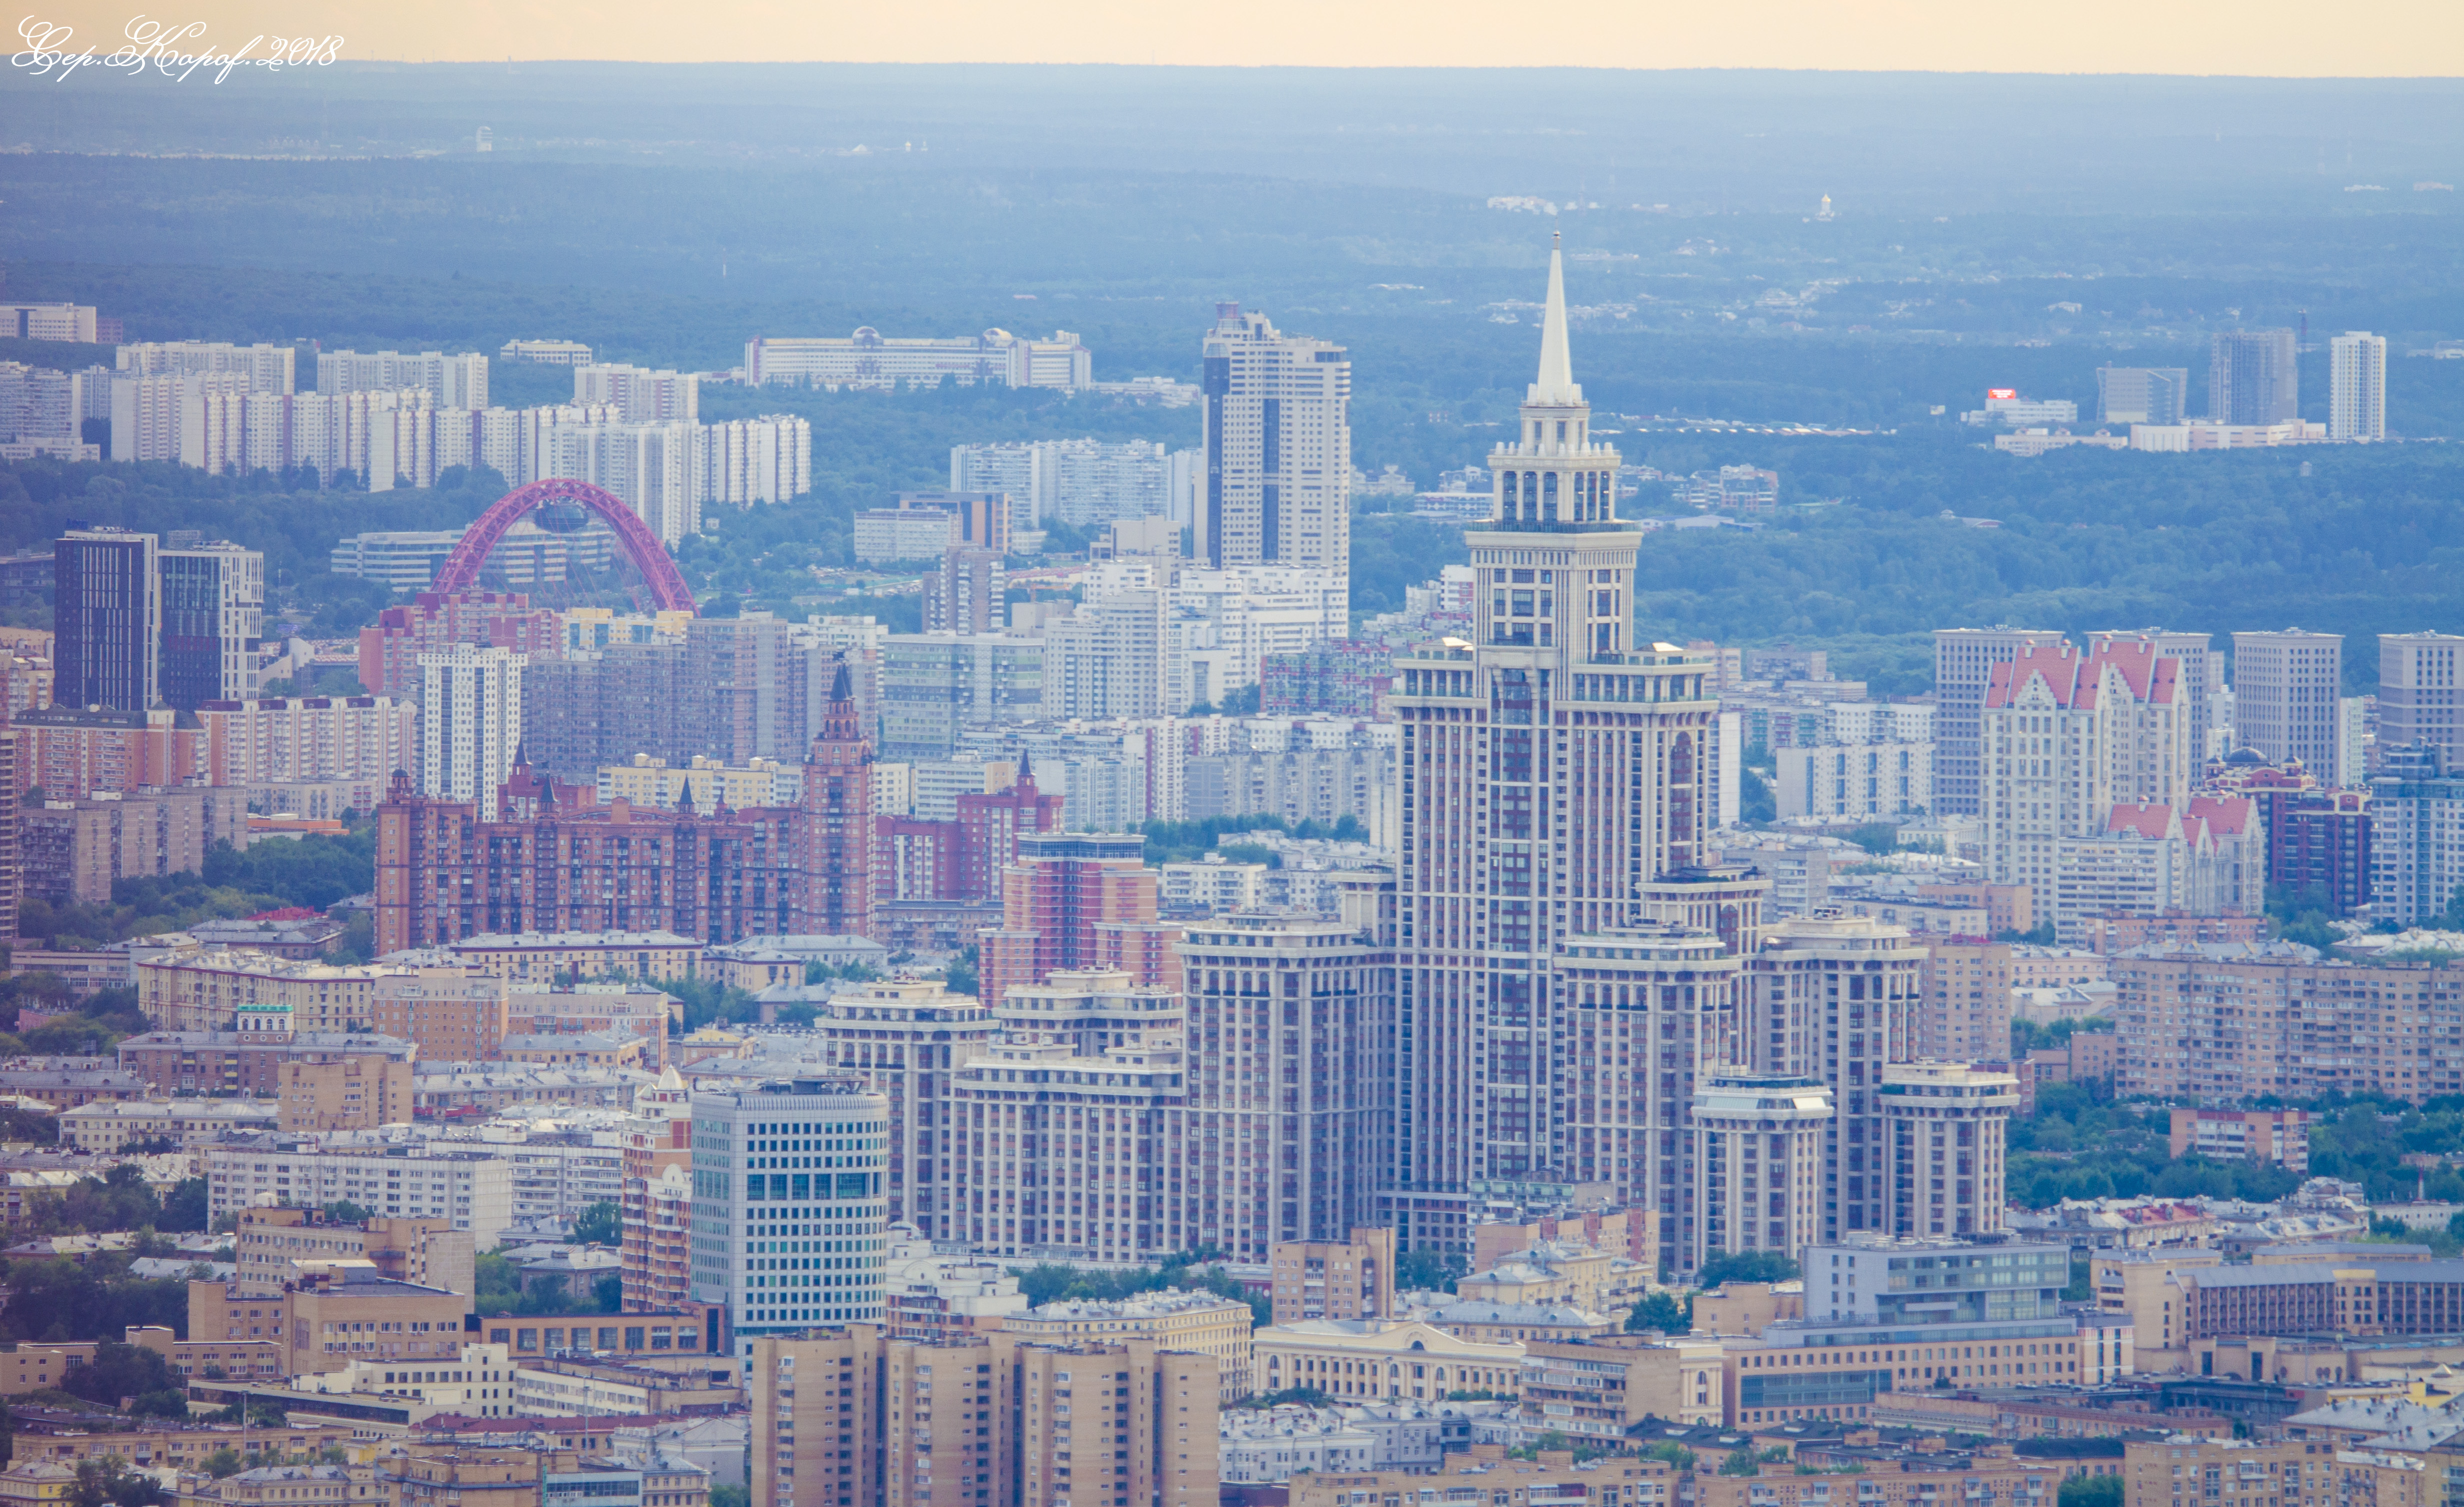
1278,488
2357,386
1551,772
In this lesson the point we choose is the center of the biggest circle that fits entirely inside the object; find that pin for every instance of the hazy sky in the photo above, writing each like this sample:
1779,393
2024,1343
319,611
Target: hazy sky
2354,39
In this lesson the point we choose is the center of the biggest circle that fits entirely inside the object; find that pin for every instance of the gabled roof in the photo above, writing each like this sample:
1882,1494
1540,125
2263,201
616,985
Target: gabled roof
2155,820
2074,679
2226,815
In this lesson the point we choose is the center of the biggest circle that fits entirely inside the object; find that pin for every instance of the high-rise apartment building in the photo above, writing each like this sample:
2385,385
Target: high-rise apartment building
905,1039
640,395
1759,1170
790,1216
12,861
2067,737
657,1240
1830,1001
1964,1016
2141,394
1082,482
2199,671
2287,696
1292,1041
2252,378
2230,1023
2357,386
1278,446
1064,1147
1962,671
1548,771
469,721
852,1418
2421,699
1063,886
1942,1137
213,613
107,618
261,367
451,381
2416,847
967,594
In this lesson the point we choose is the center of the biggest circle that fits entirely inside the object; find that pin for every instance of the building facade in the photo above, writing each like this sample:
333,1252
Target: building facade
1278,444
790,1218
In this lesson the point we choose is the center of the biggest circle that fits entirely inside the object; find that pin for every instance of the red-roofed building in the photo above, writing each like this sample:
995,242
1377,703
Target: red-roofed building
2067,737
2152,859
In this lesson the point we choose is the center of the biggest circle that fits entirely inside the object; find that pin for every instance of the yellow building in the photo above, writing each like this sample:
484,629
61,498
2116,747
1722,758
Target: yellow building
360,1092
1487,1477
649,781
1380,1359
226,989
2192,1473
36,1483
1200,1323
1561,1272
540,956
1021,1423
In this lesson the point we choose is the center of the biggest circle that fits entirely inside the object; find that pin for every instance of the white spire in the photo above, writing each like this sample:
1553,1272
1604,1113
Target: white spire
1556,383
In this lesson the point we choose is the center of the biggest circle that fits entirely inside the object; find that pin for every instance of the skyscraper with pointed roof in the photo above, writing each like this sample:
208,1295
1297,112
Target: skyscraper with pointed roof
1553,770
837,830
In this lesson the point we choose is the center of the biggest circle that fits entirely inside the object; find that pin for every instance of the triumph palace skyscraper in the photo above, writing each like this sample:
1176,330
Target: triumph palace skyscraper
1555,774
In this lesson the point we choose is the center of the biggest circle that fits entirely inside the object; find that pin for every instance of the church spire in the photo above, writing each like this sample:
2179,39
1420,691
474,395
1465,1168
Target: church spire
1557,382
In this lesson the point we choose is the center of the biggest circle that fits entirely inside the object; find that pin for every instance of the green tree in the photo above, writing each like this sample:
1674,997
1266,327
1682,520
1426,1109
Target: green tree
108,1482
1746,1266
2090,1491
119,1370
1428,1271
1665,1312
341,1211
600,1224
962,978
223,1462
1750,1461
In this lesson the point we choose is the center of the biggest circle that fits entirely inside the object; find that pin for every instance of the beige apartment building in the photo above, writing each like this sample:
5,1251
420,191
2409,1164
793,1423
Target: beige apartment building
1330,1279
358,1092
451,1012
272,1247
1965,1014
1196,1322
1487,1477
1020,1422
256,992
543,957
2233,1023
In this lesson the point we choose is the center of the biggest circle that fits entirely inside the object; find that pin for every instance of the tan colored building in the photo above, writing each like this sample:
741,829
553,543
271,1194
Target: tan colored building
543,957
1945,1128
360,1092
1561,1272
632,1009
1597,1389
2165,1472
1021,1423
458,1476
74,849
1916,1481
273,1247
184,1122
1381,1360
181,1448
712,782
1487,1477
2282,1136
1963,1014
254,992
1633,1232
326,1323
1746,1308
451,1012
288,1486
1326,1279
2272,1020
1198,1322
580,1049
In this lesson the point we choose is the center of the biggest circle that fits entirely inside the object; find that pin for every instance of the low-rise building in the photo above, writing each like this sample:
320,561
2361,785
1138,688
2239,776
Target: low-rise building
934,1298
1381,1360
1484,1474
543,957
186,1123
2278,1136
472,1188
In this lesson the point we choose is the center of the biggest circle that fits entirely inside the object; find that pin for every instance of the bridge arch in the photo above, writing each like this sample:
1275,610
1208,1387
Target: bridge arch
668,589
